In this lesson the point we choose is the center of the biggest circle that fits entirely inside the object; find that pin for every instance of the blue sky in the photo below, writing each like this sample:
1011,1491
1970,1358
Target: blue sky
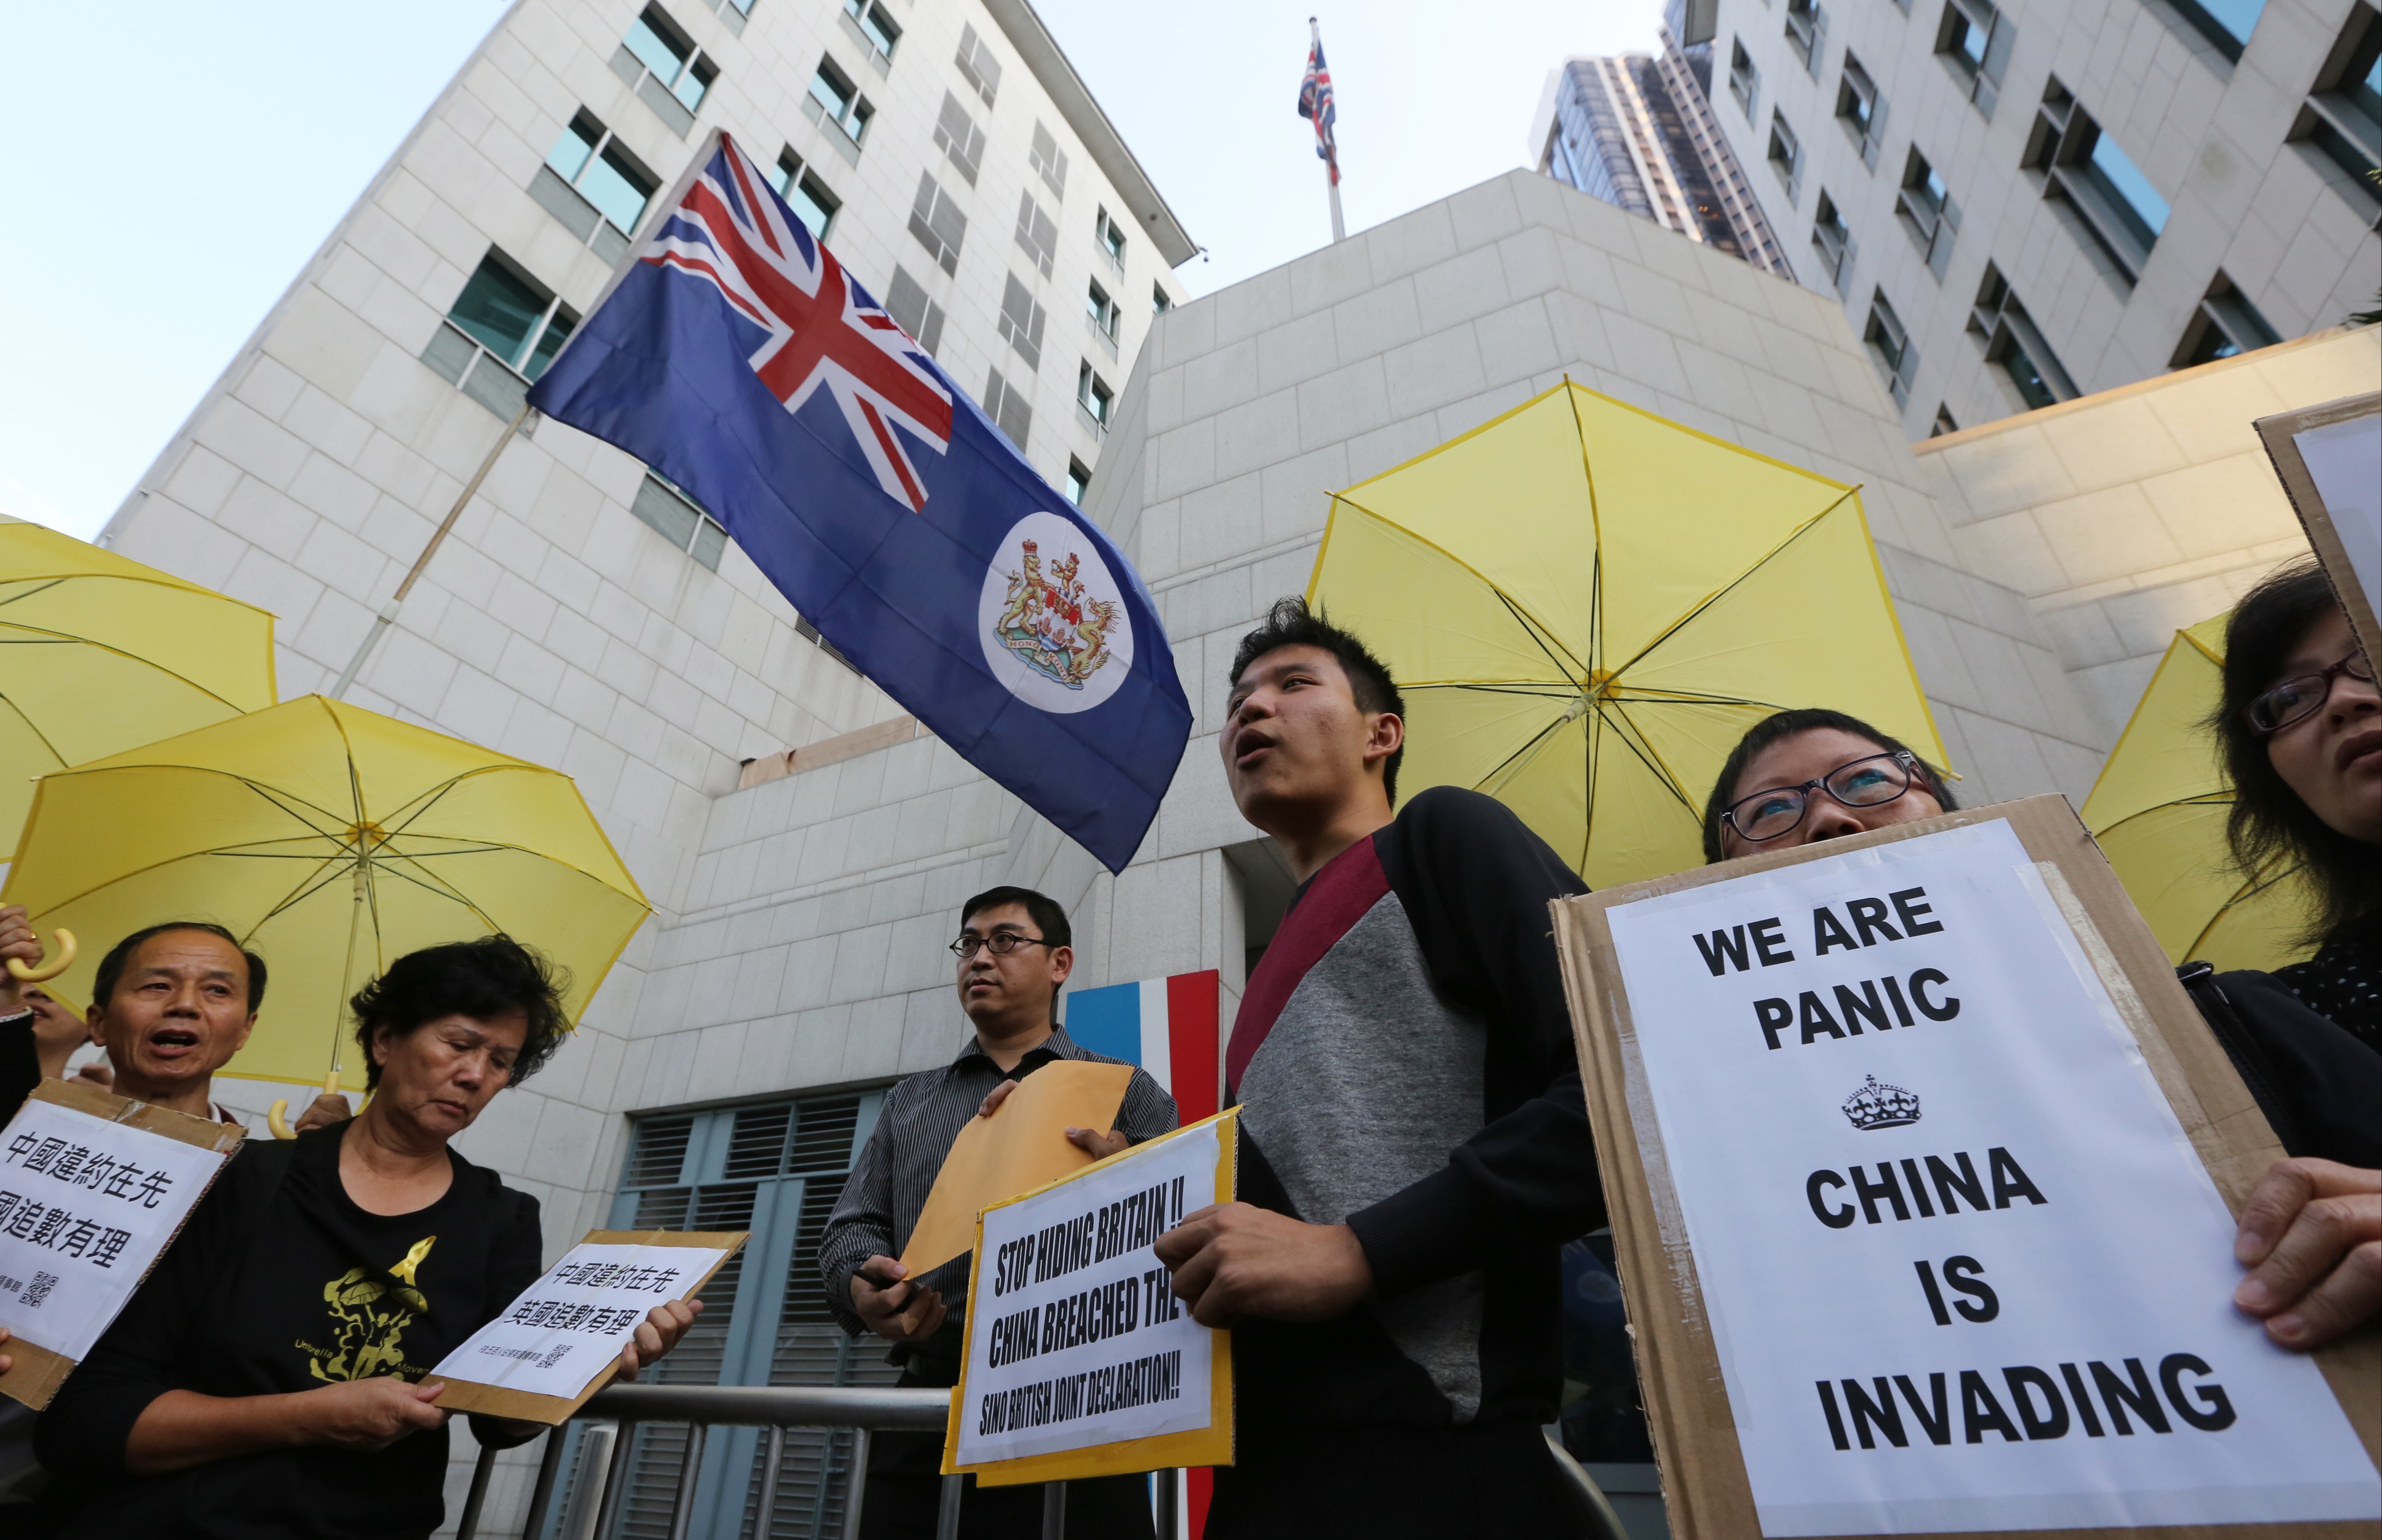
174,174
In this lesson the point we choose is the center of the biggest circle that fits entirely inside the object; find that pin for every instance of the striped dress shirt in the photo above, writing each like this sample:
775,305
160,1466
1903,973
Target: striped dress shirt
889,1184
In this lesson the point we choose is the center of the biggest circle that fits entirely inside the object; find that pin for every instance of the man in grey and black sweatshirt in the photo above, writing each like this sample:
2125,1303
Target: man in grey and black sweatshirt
1415,1144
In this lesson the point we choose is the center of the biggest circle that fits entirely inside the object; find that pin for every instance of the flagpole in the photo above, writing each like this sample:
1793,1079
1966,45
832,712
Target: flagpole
387,616
1331,163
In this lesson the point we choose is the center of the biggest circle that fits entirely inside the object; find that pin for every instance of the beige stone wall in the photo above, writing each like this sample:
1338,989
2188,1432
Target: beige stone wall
2125,515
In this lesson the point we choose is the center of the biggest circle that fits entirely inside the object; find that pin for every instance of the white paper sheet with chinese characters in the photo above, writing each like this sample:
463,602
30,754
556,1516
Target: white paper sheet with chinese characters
571,1325
86,1205
1962,1267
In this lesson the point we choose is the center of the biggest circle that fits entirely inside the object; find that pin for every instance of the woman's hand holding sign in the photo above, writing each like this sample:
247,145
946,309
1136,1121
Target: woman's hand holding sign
2312,1237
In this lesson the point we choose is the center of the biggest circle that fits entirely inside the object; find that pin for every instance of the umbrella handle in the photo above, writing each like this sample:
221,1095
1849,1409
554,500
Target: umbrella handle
65,956
277,1115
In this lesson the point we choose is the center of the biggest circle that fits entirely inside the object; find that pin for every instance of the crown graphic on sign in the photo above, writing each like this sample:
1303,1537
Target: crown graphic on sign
1877,1106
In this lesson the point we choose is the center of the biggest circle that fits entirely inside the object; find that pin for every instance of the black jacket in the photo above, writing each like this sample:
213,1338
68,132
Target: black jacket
2317,1084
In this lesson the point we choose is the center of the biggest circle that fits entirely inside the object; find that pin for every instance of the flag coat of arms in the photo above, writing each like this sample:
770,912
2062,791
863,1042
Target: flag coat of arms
737,357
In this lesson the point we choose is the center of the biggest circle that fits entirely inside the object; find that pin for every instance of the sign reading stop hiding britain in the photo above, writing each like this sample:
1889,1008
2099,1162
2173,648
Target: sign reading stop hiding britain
1920,1166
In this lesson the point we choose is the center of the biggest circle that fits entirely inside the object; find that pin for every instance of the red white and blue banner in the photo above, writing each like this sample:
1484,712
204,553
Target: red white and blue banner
1315,104
736,356
1166,1026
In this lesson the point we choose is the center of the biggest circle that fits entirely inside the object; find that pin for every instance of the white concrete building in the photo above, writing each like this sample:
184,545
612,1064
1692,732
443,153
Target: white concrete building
2018,202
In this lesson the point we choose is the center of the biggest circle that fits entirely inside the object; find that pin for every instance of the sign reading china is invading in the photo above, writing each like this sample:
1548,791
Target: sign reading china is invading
1080,1360
1902,1157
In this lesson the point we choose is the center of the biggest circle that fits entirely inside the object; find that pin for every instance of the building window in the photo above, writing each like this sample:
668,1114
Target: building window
2223,325
1744,80
1006,405
1807,31
977,65
734,12
502,332
1079,481
1109,236
2121,212
906,301
1835,241
1927,213
2225,23
959,139
1974,42
678,519
593,184
806,195
662,64
1049,161
936,220
774,1169
1944,422
1021,322
2013,343
1037,233
1786,154
874,30
1890,347
1159,303
1859,109
1093,399
1103,315
2341,121
835,102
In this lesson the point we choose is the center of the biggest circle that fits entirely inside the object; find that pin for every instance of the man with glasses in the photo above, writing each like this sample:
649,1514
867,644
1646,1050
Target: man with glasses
1013,955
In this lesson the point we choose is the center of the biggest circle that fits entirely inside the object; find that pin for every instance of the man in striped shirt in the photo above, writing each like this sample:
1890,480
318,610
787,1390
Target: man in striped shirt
1013,957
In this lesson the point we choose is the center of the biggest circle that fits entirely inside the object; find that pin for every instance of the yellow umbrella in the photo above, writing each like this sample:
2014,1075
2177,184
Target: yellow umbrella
99,654
1587,605
2159,809
331,840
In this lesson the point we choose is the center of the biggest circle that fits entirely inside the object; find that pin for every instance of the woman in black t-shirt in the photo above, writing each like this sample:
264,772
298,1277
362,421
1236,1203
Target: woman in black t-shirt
270,1377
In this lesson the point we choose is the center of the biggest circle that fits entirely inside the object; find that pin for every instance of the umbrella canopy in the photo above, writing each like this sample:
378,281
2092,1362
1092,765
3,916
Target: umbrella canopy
331,840
99,654
1587,605
2160,810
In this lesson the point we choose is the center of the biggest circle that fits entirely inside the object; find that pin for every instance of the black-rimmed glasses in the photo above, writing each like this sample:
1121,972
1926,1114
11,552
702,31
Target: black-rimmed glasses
2301,696
1864,782
1000,944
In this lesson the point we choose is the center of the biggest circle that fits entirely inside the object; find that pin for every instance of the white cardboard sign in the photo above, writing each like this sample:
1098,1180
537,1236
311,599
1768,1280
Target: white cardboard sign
1962,1267
86,1205
570,1325
1076,1335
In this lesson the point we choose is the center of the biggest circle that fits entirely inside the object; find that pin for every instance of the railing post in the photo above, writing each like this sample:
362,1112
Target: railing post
481,1469
1054,1510
549,1469
855,1487
616,1478
690,1472
1164,1487
947,1521
773,1460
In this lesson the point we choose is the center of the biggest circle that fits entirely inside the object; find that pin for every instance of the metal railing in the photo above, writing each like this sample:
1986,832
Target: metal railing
704,1406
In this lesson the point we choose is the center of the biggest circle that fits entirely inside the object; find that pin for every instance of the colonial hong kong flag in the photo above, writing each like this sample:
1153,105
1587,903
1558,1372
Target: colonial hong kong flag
736,356
1166,1025
1315,102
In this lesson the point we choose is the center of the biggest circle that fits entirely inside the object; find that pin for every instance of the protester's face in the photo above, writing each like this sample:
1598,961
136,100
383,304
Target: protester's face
439,1075
2332,758
178,1015
52,1023
1804,756
1294,740
1017,989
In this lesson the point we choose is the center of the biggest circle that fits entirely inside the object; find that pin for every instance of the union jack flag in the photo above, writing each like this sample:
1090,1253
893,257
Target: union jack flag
1315,103
824,329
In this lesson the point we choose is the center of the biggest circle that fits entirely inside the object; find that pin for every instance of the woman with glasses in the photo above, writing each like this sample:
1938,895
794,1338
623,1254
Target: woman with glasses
2300,731
1803,776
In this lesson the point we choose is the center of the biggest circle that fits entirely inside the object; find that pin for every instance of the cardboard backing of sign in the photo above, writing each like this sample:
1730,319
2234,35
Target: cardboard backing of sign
2282,435
1705,1487
1210,1446
37,1373
525,1406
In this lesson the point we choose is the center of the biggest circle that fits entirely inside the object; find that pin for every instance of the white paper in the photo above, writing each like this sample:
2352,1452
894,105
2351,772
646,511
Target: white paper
1074,1334
2344,460
2127,1259
85,1207
571,1325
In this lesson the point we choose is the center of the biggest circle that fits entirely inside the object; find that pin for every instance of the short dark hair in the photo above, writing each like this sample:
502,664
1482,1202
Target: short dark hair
1042,909
120,956
1289,623
2269,821
492,976
1788,724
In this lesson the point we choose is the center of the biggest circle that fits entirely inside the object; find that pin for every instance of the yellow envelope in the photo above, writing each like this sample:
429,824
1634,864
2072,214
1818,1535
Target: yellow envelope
1019,1147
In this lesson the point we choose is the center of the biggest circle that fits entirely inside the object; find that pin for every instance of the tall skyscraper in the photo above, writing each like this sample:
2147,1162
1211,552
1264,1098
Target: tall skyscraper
2018,202
1638,133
